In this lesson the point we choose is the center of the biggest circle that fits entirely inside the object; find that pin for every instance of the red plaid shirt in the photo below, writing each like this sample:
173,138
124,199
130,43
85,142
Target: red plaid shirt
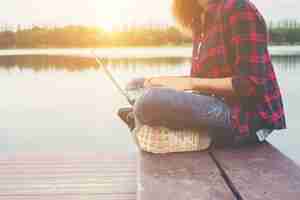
234,44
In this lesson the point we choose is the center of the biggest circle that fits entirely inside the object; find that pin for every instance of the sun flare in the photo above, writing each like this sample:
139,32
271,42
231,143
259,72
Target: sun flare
114,13
118,13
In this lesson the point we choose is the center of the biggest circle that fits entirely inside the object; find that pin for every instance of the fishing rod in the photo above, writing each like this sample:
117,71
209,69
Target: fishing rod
102,63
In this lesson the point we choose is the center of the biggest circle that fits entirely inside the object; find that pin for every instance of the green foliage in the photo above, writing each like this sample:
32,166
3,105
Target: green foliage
7,39
85,37
284,32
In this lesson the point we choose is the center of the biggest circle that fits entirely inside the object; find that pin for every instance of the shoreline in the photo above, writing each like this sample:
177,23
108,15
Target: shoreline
133,52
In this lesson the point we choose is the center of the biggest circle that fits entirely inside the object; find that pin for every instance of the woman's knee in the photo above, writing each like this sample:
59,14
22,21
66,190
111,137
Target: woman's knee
149,105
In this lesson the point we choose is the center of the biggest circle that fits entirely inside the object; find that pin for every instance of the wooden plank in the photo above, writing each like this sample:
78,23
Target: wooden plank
261,172
73,176
185,176
72,197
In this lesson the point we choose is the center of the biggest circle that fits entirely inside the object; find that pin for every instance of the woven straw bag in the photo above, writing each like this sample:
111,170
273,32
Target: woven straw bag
162,140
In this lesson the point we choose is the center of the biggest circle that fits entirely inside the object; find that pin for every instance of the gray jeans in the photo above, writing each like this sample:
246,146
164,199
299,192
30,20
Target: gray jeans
174,109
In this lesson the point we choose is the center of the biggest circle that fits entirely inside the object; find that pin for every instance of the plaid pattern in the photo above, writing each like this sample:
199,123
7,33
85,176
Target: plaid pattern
234,44
161,140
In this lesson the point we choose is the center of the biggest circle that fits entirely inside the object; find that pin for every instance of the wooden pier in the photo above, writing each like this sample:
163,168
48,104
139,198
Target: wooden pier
257,172
67,177
249,173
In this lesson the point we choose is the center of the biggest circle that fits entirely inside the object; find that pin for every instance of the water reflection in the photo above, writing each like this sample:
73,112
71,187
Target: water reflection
59,103
40,63
286,63
76,63
65,103
72,63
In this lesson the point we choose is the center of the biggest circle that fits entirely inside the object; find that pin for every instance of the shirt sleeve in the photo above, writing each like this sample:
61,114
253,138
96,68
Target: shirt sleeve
248,41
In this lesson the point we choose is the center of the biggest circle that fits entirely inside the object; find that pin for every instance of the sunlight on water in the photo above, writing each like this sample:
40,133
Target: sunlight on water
59,103
68,104
288,71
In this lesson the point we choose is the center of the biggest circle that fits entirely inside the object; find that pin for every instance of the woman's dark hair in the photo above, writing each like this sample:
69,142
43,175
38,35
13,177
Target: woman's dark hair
187,14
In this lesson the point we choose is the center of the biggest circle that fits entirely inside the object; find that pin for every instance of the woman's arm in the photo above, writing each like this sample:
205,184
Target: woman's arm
219,86
139,83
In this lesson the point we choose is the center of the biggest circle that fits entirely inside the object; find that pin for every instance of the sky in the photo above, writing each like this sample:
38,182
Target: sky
113,13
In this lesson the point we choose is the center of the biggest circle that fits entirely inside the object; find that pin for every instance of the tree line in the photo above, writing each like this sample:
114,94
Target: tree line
284,32
85,37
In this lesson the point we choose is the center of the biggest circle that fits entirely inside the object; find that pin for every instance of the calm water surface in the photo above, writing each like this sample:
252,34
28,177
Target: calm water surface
58,103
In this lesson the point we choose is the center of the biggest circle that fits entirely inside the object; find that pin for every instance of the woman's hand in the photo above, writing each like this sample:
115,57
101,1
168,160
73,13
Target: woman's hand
177,83
220,86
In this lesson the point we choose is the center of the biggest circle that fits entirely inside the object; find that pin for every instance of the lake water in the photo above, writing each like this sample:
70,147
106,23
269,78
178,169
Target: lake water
67,104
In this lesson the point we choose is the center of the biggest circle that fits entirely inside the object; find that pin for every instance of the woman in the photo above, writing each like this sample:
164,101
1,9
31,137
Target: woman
238,98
